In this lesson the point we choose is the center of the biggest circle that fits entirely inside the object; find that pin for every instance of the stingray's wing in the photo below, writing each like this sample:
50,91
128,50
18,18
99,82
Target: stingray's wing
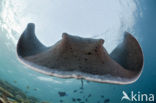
28,43
129,54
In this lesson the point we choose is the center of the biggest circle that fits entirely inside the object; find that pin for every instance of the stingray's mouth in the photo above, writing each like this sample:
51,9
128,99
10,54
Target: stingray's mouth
77,57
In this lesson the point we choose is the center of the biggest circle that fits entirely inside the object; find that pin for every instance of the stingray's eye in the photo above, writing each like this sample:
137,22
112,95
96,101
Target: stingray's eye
101,41
64,35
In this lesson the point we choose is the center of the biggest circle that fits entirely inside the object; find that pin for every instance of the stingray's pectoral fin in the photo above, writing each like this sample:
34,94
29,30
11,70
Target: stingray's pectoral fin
28,43
129,55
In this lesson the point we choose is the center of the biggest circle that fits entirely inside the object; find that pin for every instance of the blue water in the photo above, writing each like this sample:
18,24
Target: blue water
46,88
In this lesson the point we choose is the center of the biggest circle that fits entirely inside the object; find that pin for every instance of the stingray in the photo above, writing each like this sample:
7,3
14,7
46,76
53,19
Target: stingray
82,58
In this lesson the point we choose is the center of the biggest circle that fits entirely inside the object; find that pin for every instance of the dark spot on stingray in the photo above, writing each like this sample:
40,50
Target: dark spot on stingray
95,50
78,99
107,101
1,101
102,96
80,66
89,95
75,91
62,94
89,53
73,99
85,59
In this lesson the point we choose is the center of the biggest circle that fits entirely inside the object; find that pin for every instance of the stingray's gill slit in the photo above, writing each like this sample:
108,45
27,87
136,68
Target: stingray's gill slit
83,58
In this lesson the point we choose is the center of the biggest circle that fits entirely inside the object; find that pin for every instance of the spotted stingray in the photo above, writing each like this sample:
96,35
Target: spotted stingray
82,58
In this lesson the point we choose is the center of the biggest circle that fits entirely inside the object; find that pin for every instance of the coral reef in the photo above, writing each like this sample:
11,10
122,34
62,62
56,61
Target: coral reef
12,94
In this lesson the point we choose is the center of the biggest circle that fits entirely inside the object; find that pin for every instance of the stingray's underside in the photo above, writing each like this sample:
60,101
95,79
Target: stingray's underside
76,57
